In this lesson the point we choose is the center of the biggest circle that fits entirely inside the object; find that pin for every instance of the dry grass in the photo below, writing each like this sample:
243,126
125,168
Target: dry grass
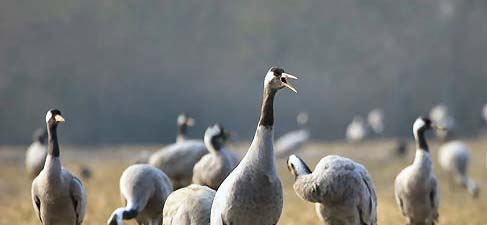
457,208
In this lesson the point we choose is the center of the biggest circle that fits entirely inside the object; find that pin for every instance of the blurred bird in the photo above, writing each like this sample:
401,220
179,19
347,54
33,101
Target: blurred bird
454,158
484,113
441,116
252,193
401,147
144,189
215,166
35,157
190,205
416,188
341,189
356,130
85,172
375,119
178,159
292,141
183,122
58,196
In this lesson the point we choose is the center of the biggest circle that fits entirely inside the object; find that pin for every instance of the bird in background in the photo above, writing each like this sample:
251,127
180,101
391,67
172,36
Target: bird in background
215,166
375,120
58,196
293,141
454,160
36,154
441,115
144,190
416,187
357,130
177,160
190,205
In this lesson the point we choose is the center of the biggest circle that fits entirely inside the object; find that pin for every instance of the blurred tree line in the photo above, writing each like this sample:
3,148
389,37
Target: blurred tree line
120,71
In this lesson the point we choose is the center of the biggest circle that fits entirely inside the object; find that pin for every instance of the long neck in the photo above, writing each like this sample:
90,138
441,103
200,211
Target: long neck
213,144
421,141
267,110
306,187
52,145
124,213
181,132
261,151
422,158
52,166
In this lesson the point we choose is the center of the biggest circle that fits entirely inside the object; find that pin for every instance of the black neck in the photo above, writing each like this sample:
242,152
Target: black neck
182,129
267,110
52,146
421,141
217,145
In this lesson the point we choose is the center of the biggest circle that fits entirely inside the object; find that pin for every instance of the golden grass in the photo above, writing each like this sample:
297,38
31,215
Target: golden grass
457,208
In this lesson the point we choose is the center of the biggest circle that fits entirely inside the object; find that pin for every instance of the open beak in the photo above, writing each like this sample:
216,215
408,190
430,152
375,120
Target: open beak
287,76
437,127
190,122
59,118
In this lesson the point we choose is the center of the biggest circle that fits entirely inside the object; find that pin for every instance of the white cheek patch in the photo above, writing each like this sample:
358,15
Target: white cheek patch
268,78
48,116
298,165
181,119
211,132
418,124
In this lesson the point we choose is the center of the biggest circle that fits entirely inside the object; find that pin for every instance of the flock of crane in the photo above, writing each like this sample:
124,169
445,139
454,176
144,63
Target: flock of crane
194,182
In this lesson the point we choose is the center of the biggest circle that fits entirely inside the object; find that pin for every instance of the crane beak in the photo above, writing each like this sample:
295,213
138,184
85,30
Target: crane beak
59,118
287,76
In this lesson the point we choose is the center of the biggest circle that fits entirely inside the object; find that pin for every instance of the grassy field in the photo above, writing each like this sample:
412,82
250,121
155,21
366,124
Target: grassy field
456,207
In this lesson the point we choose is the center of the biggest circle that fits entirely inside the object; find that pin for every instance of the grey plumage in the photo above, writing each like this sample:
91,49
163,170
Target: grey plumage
454,157
58,197
36,154
341,189
215,166
178,159
292,141
416,188
144,189
189,206
252,193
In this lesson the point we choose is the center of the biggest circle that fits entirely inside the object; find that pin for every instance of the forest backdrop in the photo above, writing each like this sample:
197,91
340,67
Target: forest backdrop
120,71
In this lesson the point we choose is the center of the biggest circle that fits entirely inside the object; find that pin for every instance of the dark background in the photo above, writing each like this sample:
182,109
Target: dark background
120,71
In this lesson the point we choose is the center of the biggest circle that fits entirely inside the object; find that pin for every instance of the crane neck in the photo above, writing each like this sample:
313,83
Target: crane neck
267,110
182,129
52,143
421,141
